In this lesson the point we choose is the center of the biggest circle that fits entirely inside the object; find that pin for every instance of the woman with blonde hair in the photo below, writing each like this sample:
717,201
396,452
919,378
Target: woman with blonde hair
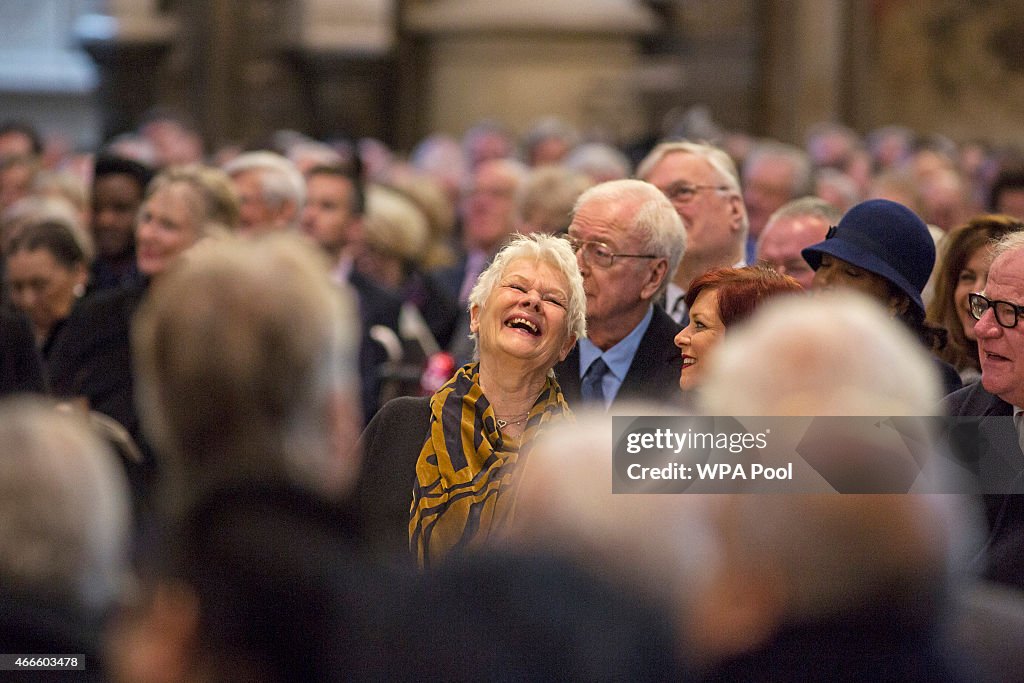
91,356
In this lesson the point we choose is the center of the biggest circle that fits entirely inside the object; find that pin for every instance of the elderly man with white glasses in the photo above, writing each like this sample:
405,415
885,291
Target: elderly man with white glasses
702,183
629,241
997,400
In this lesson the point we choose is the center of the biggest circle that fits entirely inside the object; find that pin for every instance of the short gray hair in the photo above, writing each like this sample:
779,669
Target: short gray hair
544,248
798,160
655,221
717,157
280,180
64,511
815,207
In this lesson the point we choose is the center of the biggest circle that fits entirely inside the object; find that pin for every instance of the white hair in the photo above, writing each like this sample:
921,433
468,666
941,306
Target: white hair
546,249
655,221
661,543
835,353
839,354
64,512
280,180
1010,242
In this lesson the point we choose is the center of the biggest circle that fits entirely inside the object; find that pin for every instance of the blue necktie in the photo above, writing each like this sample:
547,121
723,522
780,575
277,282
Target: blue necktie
591,388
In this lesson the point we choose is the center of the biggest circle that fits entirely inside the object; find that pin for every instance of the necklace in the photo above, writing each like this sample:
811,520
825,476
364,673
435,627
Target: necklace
513,420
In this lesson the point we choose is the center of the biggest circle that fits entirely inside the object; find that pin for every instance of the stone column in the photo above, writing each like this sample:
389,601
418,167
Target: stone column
518,61
343,52
806,71
128,43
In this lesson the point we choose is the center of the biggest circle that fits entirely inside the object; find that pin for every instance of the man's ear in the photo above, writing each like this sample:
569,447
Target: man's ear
161,643
654,279
288,212
737,211
737,613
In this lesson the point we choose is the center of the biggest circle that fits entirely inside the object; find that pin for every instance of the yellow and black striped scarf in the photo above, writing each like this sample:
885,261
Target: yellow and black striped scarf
466,467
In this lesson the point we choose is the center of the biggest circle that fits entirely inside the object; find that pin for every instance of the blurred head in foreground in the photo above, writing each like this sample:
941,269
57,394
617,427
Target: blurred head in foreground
745,573
64,535
245,363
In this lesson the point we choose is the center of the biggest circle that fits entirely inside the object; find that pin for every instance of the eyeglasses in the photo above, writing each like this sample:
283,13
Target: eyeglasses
598,253
1007,314
683,193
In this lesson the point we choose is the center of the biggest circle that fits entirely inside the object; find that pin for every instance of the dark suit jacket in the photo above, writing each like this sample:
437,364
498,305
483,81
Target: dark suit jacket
21,367
391,445
377,306
878,643
991,449
995,455
653,375
449,279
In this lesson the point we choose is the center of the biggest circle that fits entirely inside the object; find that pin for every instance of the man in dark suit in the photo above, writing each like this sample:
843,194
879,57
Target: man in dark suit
993,443
629,241
333,218
489,216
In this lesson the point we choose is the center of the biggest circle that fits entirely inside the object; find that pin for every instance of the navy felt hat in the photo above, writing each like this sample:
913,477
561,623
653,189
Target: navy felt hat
884,238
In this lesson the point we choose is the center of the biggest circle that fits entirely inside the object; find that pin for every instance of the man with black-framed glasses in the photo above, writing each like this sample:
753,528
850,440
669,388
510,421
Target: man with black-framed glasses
997,399
628,242
703,186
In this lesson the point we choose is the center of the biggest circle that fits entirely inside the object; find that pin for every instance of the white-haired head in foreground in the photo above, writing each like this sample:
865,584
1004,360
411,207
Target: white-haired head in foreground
660,544
739,568
64,512
833,354
802,558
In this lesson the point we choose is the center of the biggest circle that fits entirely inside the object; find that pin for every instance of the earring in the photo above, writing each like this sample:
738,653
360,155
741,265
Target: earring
78,290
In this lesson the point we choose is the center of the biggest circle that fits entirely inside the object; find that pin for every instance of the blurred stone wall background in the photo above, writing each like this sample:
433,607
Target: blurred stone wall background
621,69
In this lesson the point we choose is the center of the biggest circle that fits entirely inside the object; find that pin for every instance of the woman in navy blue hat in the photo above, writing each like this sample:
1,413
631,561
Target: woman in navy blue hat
884,250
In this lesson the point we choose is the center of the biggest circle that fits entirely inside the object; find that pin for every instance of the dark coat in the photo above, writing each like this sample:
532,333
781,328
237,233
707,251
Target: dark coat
21,367
876,644
653,375
377,306
91,355
990,449
391,445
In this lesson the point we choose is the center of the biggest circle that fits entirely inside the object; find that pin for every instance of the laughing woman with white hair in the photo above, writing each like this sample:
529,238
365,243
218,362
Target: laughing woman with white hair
527,310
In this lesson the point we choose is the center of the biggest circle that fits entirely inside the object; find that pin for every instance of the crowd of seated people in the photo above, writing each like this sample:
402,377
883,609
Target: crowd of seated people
318,410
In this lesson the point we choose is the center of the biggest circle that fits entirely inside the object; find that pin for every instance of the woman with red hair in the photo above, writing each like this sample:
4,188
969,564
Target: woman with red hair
716,300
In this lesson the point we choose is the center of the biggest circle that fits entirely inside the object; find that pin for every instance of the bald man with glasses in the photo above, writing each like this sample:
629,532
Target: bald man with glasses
628,241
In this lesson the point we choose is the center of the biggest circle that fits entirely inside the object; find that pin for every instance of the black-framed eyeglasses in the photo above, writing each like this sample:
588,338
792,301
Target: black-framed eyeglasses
683,193
1007,314
598,253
